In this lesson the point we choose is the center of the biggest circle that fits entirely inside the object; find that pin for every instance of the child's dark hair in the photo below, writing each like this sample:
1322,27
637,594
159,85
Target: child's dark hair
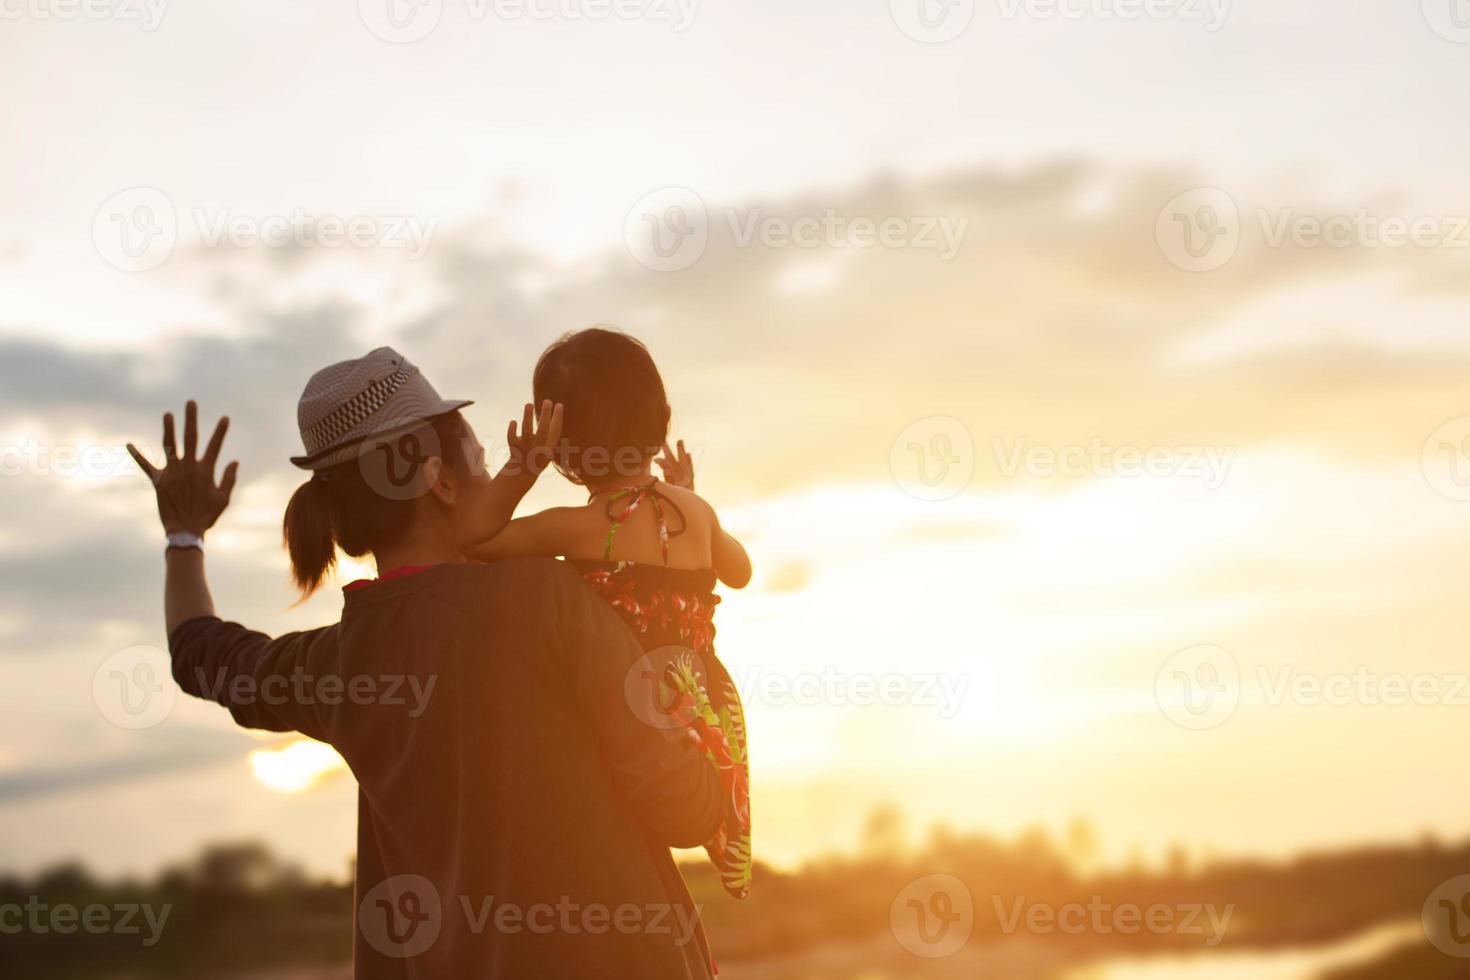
339,507
617,414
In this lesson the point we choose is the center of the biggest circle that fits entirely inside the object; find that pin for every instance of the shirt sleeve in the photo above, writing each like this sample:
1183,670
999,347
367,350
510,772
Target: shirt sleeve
259,679
672,788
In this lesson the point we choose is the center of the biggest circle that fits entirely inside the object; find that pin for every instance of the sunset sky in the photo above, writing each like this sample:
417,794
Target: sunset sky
1162,464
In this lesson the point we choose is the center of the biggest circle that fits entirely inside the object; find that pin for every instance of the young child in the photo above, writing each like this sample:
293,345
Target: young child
652,548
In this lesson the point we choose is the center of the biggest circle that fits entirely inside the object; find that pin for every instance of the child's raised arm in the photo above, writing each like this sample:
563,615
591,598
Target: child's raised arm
531,451
543,535
732,564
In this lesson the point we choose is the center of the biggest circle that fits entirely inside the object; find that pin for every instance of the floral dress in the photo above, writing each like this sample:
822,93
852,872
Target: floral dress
672,611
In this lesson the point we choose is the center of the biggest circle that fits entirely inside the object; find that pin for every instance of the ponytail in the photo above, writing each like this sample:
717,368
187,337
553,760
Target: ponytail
307,531
339,508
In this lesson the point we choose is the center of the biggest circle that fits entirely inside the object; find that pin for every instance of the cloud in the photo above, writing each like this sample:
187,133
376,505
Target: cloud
1057,321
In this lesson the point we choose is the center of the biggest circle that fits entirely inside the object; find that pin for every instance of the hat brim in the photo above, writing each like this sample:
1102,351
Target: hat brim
347,449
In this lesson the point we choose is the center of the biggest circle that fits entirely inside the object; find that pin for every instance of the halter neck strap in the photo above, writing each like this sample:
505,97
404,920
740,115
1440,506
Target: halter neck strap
622,504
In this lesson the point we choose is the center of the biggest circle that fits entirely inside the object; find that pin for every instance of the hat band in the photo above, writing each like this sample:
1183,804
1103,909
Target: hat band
356,410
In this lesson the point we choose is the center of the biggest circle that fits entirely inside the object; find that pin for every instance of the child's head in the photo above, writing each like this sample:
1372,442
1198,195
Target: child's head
617,415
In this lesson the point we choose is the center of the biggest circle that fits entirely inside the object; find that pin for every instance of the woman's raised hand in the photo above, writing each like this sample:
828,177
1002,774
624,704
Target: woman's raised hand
189,499
678,467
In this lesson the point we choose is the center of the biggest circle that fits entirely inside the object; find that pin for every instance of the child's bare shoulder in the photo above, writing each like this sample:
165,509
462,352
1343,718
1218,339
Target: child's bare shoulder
695,508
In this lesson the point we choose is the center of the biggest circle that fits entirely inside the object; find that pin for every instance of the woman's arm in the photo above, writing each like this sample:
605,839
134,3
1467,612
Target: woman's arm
189,501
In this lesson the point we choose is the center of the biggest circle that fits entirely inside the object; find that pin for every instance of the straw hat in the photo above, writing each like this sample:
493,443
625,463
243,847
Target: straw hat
353,402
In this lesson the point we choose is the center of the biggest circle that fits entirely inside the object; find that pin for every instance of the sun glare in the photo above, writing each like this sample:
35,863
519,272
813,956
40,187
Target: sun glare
296,767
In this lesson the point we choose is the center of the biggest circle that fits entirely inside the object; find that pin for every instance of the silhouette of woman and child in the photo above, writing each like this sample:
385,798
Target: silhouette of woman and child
648,548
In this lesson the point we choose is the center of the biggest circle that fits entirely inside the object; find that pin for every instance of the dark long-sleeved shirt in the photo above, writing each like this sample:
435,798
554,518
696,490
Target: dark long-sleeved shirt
517,800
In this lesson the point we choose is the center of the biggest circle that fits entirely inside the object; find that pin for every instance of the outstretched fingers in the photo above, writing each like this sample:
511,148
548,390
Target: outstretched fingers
227,482
216,441
191,429
170,447
149,470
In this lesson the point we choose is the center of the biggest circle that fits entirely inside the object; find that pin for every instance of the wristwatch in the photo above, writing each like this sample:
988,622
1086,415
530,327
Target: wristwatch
185,539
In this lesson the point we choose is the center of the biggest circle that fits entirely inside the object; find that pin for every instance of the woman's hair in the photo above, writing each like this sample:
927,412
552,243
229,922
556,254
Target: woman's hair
339,507
617,415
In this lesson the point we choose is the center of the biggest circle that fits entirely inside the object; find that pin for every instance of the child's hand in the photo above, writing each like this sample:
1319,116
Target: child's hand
678,468
534,446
